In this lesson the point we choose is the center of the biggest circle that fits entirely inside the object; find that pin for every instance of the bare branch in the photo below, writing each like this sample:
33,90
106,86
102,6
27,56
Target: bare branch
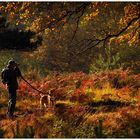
111,35
78,20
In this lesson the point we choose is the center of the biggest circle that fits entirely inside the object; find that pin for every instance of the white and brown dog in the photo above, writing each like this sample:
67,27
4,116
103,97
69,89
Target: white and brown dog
47,100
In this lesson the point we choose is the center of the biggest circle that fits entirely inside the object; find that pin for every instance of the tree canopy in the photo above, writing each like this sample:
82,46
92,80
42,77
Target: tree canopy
74,29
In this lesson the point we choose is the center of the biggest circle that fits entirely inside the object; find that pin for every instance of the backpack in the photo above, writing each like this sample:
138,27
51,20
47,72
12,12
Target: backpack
3,77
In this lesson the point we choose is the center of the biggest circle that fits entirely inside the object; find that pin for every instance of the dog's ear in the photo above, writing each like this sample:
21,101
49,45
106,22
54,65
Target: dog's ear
49,92
52,90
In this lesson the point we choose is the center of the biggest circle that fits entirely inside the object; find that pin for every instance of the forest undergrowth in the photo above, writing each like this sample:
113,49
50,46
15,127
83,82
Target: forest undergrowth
99,105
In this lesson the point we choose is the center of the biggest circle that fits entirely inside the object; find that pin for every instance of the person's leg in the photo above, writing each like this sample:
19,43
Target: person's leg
12,102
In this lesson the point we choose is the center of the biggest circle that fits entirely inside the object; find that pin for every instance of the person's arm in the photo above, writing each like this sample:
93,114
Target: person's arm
18,72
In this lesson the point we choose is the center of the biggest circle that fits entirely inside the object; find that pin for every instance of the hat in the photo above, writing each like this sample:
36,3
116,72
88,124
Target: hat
11,62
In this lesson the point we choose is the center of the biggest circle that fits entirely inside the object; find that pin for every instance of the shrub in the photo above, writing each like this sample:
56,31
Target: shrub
89,130
99,129
59,129
63,129
2,132
108,62
83,131
137,132
28,132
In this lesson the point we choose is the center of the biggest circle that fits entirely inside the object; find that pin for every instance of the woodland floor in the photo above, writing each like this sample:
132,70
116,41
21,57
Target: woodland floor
87,106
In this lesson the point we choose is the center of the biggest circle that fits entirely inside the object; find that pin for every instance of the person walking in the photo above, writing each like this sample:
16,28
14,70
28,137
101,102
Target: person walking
9,77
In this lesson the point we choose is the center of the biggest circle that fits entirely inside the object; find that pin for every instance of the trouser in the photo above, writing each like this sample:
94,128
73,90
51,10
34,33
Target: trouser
12,101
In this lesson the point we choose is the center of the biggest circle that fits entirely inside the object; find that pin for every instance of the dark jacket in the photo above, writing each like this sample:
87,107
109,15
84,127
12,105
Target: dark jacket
11,77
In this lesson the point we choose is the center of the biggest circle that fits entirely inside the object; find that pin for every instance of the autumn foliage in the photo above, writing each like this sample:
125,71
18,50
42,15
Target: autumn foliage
83,100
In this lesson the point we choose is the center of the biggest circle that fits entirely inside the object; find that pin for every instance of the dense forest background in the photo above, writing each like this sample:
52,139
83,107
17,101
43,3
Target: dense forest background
76,36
